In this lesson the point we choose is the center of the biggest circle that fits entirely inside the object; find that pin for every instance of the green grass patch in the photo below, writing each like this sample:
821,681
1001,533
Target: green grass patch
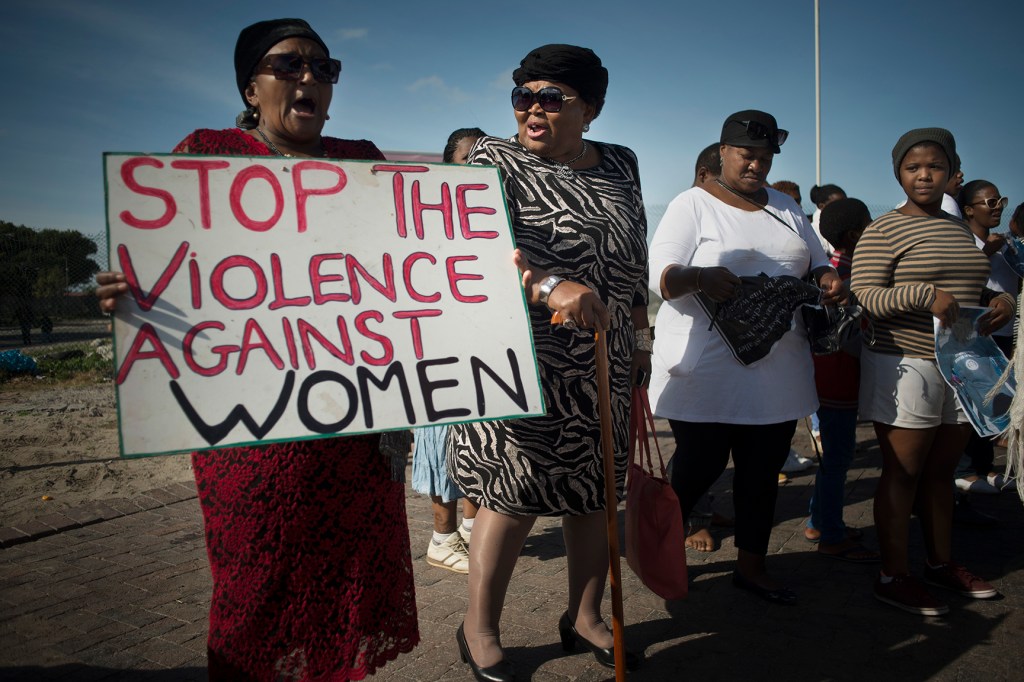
74,364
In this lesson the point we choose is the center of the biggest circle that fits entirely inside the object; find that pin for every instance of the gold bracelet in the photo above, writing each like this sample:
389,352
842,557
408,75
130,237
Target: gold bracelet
644,340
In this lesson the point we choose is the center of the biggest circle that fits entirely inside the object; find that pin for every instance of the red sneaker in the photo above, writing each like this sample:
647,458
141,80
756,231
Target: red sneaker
959,579
906,592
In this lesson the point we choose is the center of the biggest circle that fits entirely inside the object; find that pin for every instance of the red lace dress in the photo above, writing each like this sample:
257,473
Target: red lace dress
308,540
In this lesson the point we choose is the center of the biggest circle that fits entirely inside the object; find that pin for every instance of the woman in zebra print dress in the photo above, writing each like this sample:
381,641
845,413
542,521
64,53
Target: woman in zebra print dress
581,233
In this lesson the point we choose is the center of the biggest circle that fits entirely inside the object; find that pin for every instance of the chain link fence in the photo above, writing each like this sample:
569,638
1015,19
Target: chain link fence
46,289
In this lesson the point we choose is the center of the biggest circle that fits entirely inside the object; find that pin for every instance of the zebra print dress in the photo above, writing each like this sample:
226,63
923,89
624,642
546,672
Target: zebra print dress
589,229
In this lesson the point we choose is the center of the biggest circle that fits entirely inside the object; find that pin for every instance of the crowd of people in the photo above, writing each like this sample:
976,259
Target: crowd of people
319,585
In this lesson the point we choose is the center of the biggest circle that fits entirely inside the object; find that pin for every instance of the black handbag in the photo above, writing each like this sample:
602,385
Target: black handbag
831,328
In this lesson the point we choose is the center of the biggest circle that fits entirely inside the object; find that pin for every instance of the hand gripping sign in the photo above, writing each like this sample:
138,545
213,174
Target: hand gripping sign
282,299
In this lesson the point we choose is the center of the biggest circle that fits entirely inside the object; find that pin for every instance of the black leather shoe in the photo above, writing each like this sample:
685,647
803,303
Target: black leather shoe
499,672
606,657
782,595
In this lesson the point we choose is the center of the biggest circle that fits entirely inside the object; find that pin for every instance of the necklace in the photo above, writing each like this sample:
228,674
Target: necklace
564,171
273,147
266,141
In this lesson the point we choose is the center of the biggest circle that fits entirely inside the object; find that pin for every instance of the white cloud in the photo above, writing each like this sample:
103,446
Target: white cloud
502,81
437,85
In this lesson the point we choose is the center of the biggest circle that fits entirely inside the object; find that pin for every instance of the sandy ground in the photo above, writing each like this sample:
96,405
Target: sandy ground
58,449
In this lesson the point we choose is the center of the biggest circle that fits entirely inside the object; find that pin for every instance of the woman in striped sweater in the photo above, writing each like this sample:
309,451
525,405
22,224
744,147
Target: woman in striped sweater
911,264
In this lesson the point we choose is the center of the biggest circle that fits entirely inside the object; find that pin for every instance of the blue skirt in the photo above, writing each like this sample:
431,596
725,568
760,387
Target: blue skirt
429,470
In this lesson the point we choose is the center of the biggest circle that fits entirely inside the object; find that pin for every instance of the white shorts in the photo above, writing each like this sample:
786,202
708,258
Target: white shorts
908,393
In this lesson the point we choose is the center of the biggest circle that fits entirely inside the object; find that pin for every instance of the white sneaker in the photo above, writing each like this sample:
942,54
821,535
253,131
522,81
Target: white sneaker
980,486
466,534
451,554
999,482
795,462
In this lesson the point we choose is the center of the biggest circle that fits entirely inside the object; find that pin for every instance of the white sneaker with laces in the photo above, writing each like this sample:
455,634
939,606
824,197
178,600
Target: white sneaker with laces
466,534
999,482
979,486
795,462
451,554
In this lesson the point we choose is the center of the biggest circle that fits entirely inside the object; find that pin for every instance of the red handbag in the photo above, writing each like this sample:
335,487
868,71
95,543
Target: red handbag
655,534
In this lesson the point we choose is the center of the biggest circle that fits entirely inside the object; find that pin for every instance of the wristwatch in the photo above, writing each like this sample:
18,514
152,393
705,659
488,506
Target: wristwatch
548,285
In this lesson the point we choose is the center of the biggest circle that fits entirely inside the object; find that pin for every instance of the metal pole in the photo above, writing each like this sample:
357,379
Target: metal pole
817,95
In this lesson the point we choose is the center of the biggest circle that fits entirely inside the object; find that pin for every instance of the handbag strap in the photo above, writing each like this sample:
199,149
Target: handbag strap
640,419
789,227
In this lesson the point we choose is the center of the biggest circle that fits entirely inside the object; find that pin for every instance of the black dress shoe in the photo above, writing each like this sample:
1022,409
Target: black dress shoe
606,657
780,596
499,672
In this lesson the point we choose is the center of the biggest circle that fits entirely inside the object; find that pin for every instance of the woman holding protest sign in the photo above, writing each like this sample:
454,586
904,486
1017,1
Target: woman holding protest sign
710,236
579,222
308,540
913,265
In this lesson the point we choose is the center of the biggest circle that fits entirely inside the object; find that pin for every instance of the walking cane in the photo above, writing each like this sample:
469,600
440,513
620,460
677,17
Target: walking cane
611,500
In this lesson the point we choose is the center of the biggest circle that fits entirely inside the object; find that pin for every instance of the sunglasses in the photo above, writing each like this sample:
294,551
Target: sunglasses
550,99
759,131
288,67
993,203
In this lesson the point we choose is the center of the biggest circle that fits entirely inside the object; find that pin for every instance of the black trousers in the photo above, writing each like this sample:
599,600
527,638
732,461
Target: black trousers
758,453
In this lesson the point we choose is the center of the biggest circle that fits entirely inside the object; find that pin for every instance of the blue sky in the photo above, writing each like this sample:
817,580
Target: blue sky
89,76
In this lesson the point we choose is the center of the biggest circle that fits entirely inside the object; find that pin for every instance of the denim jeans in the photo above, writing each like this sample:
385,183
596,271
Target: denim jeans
838,442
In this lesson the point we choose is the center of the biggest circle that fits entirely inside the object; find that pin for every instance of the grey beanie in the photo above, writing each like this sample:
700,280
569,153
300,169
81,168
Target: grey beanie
939,136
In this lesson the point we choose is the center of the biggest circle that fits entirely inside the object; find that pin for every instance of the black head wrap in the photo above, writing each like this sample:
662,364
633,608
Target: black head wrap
912,138
253,43
577,67
734,130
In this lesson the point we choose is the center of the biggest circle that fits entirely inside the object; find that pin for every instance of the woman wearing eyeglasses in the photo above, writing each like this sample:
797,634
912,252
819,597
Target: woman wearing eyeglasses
709,237
578,217
982,208
912,264
308,541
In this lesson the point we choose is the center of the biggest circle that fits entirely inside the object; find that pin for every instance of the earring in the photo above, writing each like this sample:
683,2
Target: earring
327,117
586,127
248,119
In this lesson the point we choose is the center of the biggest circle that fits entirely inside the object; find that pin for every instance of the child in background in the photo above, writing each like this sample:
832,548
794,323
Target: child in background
448,548
837,378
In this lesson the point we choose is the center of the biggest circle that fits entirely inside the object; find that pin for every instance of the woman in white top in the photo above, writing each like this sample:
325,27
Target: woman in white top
709,237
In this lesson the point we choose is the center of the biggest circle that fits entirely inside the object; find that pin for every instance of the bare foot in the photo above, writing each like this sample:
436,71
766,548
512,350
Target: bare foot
701,540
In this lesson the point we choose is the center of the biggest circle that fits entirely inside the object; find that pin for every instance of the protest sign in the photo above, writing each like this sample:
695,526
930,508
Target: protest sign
283,299
972,365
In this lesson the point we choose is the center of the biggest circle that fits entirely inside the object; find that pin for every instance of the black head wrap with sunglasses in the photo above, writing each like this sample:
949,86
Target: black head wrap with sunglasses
577,67
253,43
753,128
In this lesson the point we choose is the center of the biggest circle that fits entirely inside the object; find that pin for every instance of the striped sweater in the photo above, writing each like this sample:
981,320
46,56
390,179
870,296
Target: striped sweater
899,262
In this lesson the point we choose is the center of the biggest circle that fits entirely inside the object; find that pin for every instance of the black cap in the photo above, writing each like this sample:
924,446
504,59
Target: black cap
738,132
